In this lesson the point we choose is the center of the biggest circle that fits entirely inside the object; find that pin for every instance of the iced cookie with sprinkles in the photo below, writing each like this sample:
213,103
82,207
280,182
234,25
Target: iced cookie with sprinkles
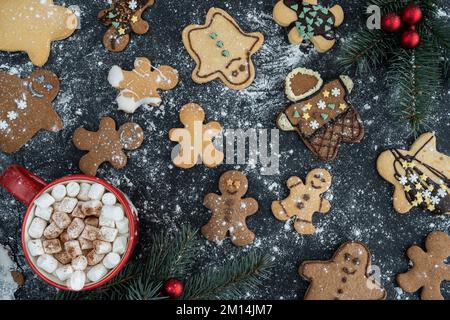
123,18
420,176
222,50
321,114
26,108
309,21
32,25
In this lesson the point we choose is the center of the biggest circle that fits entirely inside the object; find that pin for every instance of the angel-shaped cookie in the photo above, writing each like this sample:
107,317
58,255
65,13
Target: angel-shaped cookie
420,176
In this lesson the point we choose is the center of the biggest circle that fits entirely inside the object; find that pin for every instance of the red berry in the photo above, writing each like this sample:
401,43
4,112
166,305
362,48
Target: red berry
410,39
174,288
391,22
412,14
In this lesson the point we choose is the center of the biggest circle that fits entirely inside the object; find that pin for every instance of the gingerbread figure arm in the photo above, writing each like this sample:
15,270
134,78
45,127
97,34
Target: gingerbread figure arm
84,139
338,13
213,128
250,206
40,52
141,26
310,269
211,200
325,206
168,77
410,281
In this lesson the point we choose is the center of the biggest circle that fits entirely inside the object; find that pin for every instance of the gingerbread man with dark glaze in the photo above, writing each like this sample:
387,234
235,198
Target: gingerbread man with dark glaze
122,18
107,144
344,277
304,200
230,211
429,268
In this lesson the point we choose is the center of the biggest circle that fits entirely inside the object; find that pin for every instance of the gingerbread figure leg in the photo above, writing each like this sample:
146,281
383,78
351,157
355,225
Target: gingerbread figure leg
283,15
128,101
241,235
304,226
89,164
39,53
294,37
215,229
338,13
322,45
325,206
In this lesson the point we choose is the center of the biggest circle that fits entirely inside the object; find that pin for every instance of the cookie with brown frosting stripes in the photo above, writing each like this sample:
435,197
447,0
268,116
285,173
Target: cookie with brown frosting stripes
222,50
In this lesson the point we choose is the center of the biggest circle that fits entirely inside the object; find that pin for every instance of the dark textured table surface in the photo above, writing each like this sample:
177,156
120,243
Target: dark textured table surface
167,197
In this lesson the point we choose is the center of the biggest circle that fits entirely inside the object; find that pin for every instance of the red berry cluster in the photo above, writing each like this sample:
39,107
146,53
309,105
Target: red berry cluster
409,18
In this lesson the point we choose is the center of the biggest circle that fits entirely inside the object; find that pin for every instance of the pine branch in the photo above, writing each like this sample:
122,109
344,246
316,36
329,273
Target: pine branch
233,280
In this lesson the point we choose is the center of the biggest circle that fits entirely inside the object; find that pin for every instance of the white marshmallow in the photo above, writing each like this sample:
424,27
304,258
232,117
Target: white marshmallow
68,204
102,247
73,188
79,263
84,191
52,246
52,231
37,227
44,213
111,260
75,228
61,219
35,247
90,233
63,273
63,257
47,263
92,221
59,192
73,248
97,272
86,244
113,212
94,258
96,192
122,226
45,200
120,245
109,199
77,281
92,208
107,234
104,222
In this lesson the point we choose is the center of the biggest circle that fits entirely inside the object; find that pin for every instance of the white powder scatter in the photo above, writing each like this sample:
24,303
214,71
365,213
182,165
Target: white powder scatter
7,284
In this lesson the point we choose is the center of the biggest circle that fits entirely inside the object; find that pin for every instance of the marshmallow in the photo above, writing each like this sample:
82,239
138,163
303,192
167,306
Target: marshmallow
90,233
63,257
64,237
73,248
86,244
61,219
111,260
77,280
104,222
52,246
75,228
68,204
84,191
109,199
92,208
120,245
102,247
44,213
73,188
94,258
59,192
78,212
113,212
79,263
92,221
35,247
44,201
107,234
37,227
52,231
47,263
97,273
63,273
96,192
122,226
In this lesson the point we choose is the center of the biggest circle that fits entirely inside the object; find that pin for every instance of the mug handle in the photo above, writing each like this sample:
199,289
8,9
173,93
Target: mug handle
21,183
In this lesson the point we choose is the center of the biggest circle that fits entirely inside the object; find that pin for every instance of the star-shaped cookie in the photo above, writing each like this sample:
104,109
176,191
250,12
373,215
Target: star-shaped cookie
222,50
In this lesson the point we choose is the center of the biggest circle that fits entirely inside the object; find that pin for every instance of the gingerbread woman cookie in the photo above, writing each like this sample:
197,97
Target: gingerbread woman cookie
26,108
122,18
304,200
307,20
195,139
107,144
32,25
222,50
139,86
428,267
344,277
230,211
322,116
420,176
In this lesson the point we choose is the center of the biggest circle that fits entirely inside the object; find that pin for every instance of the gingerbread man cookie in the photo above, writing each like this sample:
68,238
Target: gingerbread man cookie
428,267
32,25
344,277
230,211
107,144
222,50
26,108
122,18
321,114
304,200
307,20
195,139
139,86
420,176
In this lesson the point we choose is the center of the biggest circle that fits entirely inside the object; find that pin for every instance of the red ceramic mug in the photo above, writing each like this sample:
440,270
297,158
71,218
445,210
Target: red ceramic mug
27,187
